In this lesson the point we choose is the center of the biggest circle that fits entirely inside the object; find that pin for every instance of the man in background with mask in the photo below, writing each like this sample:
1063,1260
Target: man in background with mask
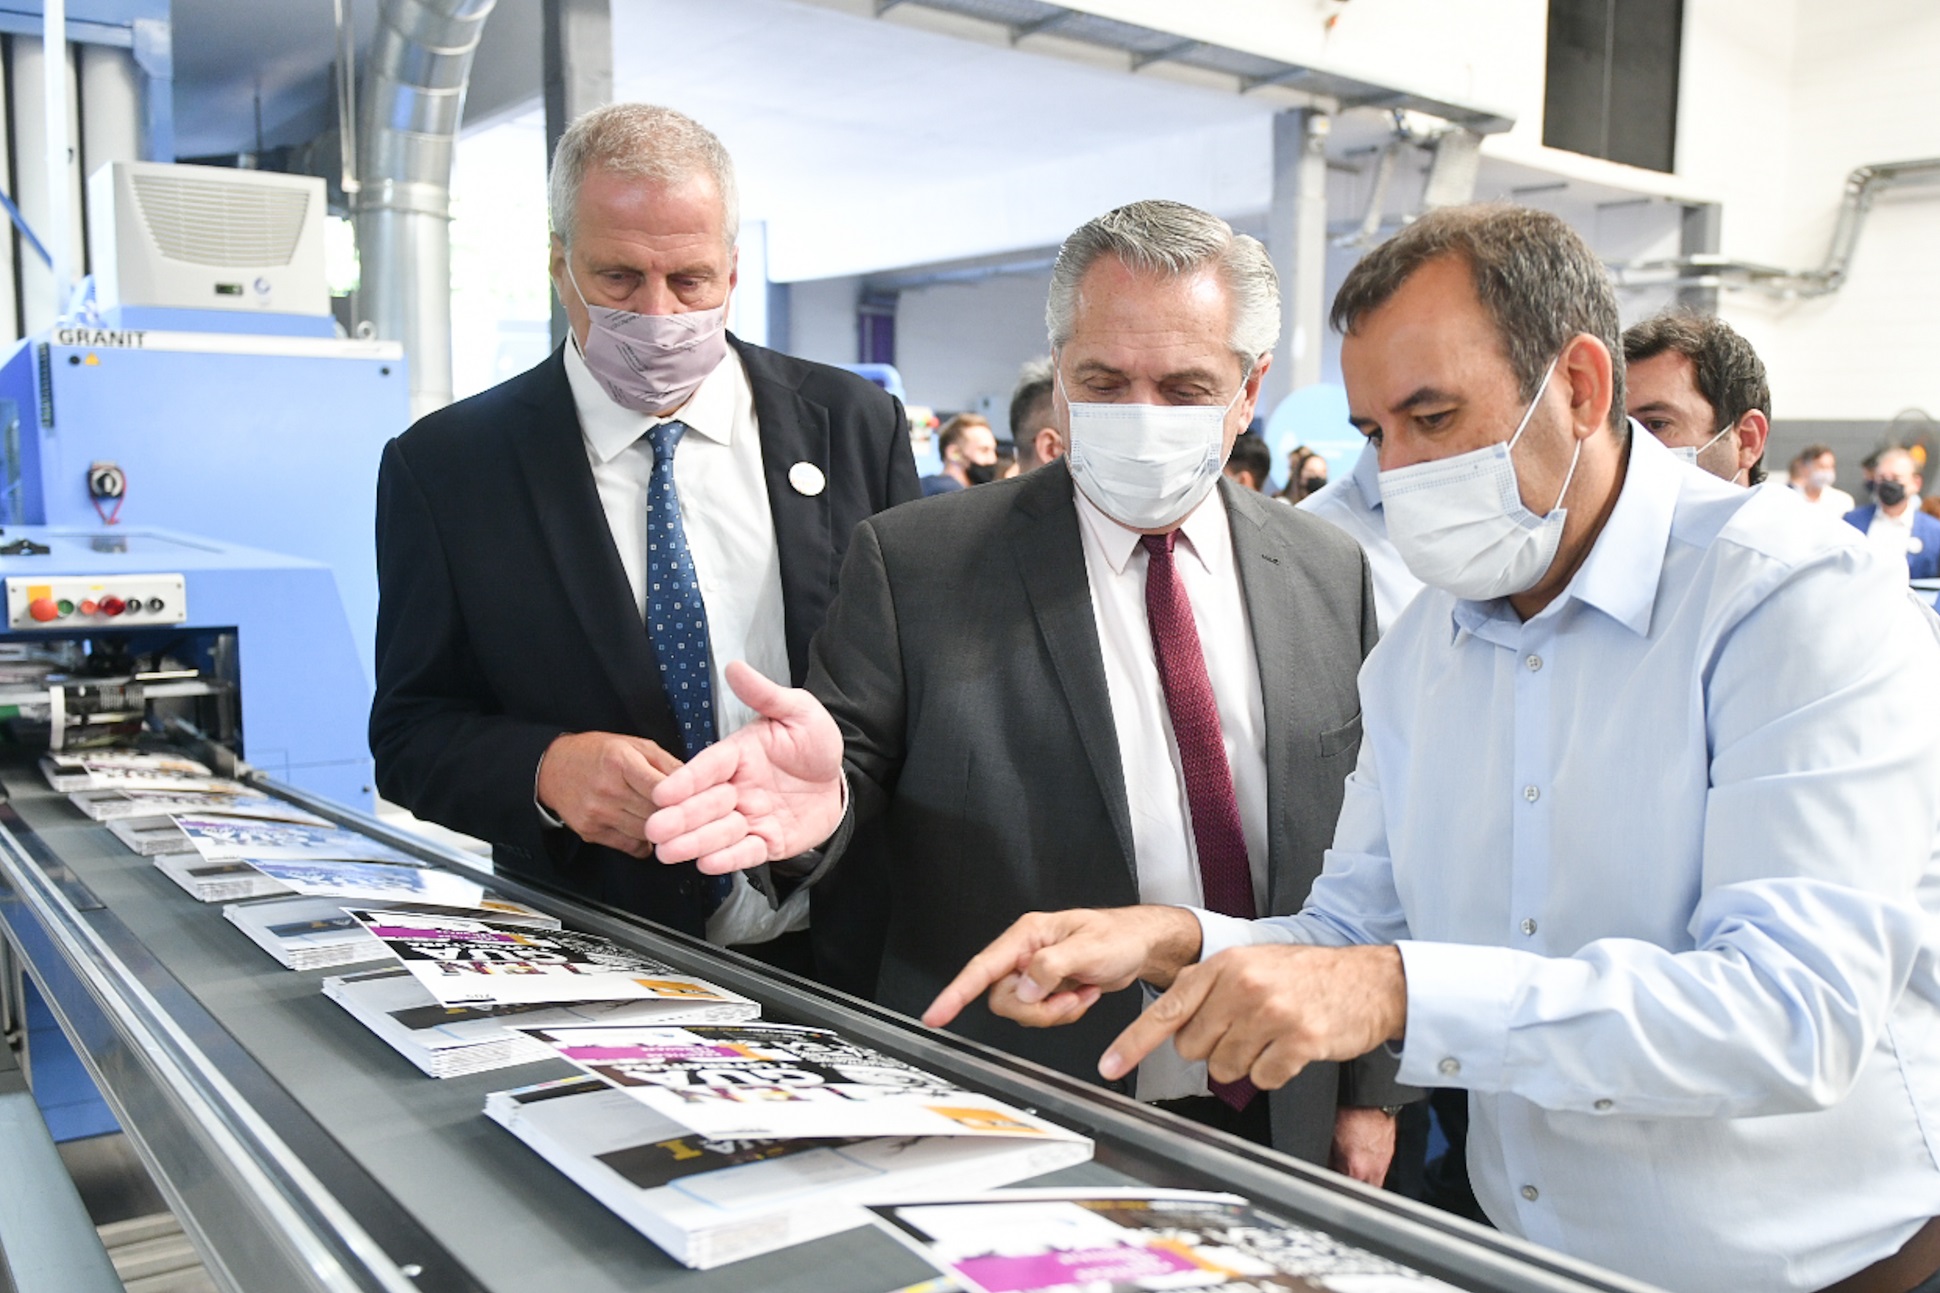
567,560
1700,388
969,450
1817,489
1640,846
1119,678
1893,521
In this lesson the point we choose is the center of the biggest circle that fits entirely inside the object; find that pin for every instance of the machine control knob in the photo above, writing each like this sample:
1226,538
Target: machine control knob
156,605
44,609
90,607
113,606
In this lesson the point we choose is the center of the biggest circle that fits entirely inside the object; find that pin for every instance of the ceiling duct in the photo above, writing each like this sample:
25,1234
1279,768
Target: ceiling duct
1712,271
413,95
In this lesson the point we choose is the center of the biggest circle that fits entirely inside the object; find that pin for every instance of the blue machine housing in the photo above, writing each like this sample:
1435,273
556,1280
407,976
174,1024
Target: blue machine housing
295,658
264,430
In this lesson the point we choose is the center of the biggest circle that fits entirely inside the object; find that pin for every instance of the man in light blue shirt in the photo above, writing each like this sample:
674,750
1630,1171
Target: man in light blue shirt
1353,503
1640,845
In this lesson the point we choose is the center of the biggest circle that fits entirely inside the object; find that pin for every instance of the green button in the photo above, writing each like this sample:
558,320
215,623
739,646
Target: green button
65,606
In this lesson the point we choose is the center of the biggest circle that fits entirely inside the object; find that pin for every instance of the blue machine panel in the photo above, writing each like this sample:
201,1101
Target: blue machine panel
303,696
266,440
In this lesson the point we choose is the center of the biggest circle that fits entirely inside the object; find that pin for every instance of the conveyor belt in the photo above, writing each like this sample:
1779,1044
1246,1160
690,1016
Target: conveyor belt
303,1153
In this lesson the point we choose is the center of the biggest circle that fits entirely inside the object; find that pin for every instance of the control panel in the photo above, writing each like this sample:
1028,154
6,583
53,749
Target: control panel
95,601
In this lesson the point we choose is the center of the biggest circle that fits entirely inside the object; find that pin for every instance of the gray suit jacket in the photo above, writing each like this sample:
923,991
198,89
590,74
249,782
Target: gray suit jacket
961,661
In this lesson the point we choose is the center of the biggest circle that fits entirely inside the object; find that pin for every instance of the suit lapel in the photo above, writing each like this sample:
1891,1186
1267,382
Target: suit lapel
1269,579
1049,553
573,522
794,430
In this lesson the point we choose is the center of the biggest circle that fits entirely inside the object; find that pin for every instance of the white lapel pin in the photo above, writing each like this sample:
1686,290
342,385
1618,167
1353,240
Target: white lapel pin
807,479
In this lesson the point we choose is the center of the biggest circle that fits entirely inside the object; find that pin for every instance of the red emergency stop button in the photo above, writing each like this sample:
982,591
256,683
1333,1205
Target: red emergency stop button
44,609
113,606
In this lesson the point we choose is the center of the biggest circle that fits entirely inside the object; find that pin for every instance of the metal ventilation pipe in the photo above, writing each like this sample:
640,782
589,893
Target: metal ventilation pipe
413,95
1711,271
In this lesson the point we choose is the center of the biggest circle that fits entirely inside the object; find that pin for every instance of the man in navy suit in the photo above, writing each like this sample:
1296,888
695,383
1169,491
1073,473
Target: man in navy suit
1895,521
537,669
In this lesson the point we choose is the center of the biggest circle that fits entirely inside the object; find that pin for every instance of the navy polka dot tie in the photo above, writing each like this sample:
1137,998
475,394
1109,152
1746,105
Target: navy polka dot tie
676,617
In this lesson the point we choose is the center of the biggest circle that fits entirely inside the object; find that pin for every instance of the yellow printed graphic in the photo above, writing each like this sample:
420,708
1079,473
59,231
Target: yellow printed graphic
678,988
985,1120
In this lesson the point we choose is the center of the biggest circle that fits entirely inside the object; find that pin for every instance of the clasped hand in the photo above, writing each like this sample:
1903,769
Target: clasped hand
769,791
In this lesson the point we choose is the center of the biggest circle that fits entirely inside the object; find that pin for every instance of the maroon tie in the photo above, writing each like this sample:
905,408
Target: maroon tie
1224,875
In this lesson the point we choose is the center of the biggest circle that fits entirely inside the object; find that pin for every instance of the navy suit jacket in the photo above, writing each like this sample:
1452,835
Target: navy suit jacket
1923,564
505,620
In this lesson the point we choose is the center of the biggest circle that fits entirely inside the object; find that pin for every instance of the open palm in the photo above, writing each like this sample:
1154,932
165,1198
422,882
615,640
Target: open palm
772,790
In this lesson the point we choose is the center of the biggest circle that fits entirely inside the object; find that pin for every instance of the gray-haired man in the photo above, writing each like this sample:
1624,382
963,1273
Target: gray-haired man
567,560
1137,689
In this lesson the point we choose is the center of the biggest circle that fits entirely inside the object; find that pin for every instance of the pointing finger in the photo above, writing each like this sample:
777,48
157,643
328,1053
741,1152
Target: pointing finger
1161,1020
1004,957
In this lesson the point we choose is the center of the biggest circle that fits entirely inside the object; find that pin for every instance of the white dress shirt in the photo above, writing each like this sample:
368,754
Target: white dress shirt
1831,499
1894,534
1661,866
1155,787
730,531
1354,504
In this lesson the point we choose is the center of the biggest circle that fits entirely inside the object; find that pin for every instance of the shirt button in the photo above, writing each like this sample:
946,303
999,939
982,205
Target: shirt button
1605,1106
1450,1066
1534,662
1529,926
1531,1193
1531,793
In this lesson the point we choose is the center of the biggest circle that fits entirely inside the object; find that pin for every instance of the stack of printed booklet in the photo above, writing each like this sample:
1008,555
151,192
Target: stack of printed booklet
227,842
716,1135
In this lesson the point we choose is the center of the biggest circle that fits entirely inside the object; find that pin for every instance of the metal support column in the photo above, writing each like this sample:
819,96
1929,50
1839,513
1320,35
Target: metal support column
1296,238
578,62
1701,235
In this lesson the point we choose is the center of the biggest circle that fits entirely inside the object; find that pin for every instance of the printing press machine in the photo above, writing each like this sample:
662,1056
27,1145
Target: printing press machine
299,1151
302,1153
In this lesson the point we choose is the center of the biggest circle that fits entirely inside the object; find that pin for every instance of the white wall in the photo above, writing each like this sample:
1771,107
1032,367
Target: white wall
821,319
959,345
1856,89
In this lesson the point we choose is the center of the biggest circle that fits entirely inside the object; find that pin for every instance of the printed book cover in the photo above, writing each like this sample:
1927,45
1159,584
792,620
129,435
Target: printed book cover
223,798
780,1081
208,881
461,962
448,1041
1131,1241
229,838
711,1200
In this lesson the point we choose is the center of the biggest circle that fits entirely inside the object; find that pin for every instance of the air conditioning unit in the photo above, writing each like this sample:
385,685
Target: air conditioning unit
207,238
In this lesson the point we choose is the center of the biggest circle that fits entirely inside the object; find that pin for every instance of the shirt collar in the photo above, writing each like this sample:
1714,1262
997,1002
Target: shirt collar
1207,532
1626,564
610,428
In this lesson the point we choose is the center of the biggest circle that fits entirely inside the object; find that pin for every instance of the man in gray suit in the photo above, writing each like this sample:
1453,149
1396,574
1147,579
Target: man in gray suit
1038,696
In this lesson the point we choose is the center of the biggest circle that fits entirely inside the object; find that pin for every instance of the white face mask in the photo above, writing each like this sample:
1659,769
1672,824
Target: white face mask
1460,525
1146,466
1690,455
